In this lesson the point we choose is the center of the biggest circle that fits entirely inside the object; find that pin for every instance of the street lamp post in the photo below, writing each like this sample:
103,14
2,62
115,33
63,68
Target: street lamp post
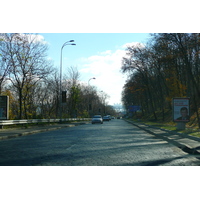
66,43
88,95
90,80
104,102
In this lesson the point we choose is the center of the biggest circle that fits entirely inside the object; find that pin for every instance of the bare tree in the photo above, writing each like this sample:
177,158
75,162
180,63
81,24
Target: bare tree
71,85
4,63
27,64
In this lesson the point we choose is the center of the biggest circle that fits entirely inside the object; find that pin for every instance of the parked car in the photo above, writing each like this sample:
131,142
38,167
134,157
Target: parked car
109,117
97,119
106,118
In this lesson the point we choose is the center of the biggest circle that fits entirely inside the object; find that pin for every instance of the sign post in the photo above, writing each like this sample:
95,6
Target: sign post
4,107
181,112
135,109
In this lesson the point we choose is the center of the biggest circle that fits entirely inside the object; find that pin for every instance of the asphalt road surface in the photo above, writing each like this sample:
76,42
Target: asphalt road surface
114,143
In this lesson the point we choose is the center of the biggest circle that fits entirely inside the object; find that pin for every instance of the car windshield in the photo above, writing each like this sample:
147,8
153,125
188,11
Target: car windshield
97,116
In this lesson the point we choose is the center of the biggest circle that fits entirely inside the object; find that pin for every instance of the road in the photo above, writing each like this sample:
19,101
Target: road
114,143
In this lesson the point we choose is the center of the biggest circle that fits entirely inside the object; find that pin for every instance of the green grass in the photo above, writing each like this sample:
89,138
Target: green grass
191,127
196,134
171,126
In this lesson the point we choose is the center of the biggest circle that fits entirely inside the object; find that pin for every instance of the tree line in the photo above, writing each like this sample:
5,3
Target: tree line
32,83
167,66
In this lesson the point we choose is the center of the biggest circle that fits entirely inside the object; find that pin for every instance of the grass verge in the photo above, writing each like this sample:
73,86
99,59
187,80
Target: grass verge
171,126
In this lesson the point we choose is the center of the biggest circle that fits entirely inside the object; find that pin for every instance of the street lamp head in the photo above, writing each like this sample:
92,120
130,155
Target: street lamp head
67,43
91,79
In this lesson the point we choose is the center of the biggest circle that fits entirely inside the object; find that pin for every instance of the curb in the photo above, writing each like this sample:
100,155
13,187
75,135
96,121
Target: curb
39,131
183,146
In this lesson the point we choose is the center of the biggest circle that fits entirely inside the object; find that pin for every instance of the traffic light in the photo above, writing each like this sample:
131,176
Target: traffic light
64,96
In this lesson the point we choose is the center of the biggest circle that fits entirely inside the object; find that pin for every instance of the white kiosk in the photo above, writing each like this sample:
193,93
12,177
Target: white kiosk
181,111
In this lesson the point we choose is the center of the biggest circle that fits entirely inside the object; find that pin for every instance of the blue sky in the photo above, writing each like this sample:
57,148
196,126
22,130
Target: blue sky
100,30
95,55
88,44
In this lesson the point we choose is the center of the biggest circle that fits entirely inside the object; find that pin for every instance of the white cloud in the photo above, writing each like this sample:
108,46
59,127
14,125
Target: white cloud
50,58
38,38
106,52
30,37
136,44
105,67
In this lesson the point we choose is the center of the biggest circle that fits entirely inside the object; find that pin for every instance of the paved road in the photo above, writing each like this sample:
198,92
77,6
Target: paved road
114,143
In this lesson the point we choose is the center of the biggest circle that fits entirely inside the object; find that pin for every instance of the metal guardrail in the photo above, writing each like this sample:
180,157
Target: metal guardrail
30,121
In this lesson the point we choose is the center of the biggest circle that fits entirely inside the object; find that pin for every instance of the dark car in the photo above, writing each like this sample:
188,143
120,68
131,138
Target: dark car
106,118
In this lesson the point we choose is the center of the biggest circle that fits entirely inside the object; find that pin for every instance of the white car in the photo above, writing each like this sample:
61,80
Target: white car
97,119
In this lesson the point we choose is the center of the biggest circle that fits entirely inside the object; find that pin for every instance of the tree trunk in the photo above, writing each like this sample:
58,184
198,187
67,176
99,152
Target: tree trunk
20,103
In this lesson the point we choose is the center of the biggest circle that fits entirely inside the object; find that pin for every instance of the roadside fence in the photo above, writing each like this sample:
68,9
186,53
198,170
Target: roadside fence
30,121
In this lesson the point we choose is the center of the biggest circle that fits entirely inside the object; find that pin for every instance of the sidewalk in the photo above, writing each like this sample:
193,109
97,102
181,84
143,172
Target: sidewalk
185,142
17,132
